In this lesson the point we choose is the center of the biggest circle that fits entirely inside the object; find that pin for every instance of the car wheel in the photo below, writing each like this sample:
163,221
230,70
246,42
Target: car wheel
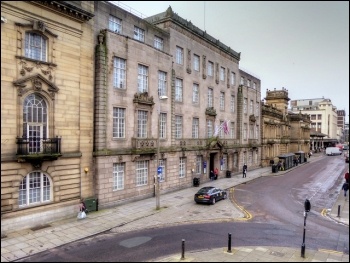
213,201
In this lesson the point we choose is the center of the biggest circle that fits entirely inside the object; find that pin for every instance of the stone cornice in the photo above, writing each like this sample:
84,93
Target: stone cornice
65,9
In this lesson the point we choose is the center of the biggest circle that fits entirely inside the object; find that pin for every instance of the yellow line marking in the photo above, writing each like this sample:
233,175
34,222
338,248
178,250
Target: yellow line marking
330,251
247,215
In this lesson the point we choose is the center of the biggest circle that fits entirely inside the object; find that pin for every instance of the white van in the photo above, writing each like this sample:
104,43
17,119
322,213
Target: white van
333,151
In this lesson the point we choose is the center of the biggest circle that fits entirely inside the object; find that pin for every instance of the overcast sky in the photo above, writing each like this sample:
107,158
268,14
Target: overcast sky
301,46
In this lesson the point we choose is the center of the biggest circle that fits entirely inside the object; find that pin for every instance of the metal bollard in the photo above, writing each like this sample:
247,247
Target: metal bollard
338,211
229,243
183,249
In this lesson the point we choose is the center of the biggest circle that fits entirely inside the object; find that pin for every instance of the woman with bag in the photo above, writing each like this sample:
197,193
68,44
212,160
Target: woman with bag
82,209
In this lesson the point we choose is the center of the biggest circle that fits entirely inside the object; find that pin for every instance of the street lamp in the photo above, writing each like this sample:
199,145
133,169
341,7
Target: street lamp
159,171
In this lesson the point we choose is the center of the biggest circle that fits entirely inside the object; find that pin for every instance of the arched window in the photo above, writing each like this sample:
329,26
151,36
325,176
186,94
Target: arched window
34,189
35,46
34,122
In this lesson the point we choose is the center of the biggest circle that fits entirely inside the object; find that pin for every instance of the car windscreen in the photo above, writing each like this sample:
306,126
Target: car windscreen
204,191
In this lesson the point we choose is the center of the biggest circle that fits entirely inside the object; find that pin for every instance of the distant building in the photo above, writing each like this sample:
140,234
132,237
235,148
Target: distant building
323,115
341,125
283,132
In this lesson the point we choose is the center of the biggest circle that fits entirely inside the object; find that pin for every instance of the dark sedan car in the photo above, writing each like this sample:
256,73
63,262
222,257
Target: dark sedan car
209,195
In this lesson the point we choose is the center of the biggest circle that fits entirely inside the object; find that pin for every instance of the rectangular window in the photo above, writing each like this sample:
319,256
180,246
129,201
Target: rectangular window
251,131
313,117
179,55
210,97
178,90
250,158
118,176
195,93
222,73
178,127
35,46
118,123
248,83
232,130
319,126
222,101
221,132
141,173
233,78
251,109
257,132
182,167
161,176
245,106
257,109
162,120
232,104
115,24
158,43
142,124
199,162
209,128
142,80
195,128
162,90
254,85
119,68
210,68
319,116
139,34
242,81
245,131
196,62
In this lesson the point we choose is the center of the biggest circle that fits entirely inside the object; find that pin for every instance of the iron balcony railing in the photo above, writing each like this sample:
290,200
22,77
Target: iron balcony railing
46,146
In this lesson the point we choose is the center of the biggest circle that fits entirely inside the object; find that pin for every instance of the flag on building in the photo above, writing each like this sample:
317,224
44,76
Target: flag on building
225,127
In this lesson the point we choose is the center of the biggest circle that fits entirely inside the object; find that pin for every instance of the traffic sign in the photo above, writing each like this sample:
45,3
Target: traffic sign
159,170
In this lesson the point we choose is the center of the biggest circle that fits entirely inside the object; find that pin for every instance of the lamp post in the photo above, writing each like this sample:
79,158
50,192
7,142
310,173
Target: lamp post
299,143
159,171
307,207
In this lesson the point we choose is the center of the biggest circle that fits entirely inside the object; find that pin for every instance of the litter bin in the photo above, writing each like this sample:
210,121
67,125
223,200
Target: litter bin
274,168
196,181
91,204
228,174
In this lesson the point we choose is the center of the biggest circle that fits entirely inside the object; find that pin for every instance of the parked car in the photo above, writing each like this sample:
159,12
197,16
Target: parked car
209,195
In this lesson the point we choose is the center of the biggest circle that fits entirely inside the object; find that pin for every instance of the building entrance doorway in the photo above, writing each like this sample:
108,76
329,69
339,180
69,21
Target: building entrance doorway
212,162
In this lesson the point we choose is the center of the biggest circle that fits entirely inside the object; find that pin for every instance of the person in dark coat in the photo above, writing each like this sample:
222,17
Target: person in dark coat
345,187
211,175
245,168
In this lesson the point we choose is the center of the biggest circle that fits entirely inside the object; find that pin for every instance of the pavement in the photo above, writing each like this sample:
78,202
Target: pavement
176,208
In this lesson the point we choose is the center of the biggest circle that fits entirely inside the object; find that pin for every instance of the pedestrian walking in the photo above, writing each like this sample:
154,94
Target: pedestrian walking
346,176
345,187
245,168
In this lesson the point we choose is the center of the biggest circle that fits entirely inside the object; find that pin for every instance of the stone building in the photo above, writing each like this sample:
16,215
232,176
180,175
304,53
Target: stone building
46,110
283,132
167,95
323,116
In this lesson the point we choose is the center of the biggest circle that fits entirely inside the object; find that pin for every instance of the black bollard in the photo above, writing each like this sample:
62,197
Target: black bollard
338,211
183,249
229,243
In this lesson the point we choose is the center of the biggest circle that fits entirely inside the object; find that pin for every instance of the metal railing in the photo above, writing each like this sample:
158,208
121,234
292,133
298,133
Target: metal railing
30,146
